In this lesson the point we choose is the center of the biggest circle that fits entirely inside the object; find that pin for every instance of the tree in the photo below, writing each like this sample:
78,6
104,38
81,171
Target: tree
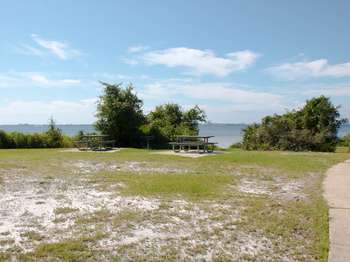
54,137
167,121
119,114
313,128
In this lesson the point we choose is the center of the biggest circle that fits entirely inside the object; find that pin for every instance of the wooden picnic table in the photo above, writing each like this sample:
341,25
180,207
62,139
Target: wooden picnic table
186,143
94,142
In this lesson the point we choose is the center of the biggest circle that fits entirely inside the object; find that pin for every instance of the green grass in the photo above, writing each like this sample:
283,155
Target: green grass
155,184
70,251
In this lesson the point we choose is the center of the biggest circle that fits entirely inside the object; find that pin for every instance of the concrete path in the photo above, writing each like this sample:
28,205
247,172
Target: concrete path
337,193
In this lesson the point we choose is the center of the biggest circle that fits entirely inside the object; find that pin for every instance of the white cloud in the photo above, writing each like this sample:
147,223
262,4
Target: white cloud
137,48
201,61
218,93
222,102
59,49
38,112
306,69
29,79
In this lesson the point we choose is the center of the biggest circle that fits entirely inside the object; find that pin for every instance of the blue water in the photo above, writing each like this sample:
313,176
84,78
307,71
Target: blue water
225,134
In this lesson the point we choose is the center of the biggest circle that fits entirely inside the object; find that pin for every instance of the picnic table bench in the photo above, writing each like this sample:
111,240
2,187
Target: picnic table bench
94,142
186,143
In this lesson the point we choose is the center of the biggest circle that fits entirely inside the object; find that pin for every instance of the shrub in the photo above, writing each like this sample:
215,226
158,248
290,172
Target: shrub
312,128
53,136
5,140
36,141
236,145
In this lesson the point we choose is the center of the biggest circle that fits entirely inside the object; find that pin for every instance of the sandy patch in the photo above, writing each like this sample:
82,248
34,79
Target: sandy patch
287,190
254,187
87,167
76,150
29,204
191,154
196,233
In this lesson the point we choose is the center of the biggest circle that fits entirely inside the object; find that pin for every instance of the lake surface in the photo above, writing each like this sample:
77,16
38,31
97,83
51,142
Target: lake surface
225,134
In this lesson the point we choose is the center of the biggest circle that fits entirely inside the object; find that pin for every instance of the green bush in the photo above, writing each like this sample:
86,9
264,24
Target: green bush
345,141
312,128
236,145
37,141
52,138
5,140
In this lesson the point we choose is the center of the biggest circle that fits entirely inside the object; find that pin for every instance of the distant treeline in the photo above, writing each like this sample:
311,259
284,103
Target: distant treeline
344,141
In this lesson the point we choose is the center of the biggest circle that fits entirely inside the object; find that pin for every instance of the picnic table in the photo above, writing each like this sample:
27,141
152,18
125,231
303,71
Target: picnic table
94,142
186,143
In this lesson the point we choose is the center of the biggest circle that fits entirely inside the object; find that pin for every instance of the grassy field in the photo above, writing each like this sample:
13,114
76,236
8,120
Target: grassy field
137,205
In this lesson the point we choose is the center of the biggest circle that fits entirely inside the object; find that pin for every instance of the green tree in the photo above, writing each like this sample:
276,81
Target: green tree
167,121
322,119
312,128
54,137
119,114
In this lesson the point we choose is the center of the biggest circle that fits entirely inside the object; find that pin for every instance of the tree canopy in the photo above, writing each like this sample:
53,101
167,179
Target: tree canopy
119,114
167,121
312,128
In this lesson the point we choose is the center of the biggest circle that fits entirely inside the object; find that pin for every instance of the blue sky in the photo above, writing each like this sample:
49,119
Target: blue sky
239,60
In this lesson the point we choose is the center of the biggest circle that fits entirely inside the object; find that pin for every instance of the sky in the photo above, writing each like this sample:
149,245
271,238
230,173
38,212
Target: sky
238,60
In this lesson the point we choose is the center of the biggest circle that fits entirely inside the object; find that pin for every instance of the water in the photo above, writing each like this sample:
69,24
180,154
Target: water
225,134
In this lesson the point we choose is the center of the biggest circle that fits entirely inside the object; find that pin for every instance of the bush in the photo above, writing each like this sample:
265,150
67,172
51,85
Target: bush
312,128
344,141
236,145
5,140
37,141
52,138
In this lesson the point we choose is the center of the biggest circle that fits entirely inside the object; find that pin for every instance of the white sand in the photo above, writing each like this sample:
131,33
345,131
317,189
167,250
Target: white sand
191,154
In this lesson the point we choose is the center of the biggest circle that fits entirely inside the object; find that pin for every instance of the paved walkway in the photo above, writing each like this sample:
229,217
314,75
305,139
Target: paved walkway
337,193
